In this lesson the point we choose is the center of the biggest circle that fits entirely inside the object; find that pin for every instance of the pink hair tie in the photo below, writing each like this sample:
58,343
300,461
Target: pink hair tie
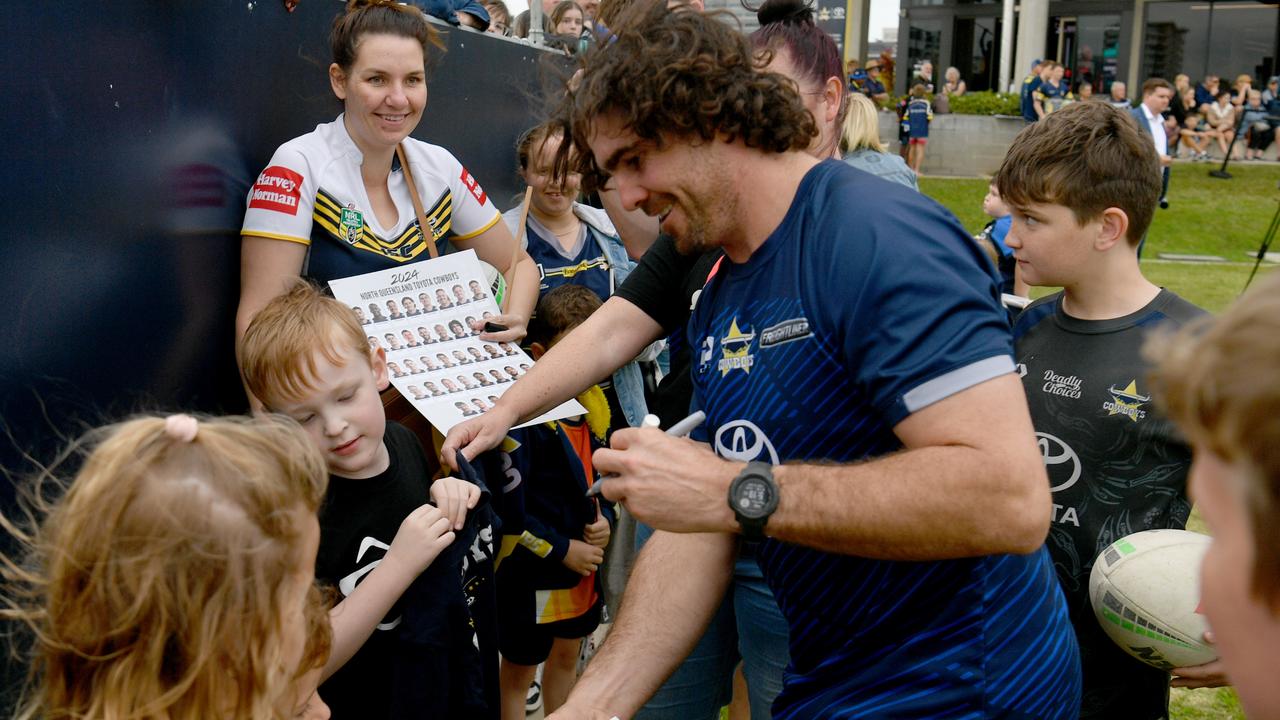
181,427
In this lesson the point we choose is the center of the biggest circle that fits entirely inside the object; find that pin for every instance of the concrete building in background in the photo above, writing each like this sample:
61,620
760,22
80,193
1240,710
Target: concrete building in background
1098,41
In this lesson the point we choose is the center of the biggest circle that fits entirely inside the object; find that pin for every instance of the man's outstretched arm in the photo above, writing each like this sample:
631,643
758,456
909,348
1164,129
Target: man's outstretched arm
675,588
969,482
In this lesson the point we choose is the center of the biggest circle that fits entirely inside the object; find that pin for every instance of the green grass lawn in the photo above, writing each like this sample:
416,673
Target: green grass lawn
1206,216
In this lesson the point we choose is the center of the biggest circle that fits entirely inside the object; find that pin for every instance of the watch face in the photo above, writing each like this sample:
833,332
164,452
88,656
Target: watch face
754,497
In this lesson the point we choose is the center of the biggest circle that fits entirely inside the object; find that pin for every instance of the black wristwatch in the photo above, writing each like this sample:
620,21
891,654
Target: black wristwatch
753,496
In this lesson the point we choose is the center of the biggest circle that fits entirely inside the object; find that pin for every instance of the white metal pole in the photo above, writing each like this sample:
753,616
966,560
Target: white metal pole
1006,48
535,22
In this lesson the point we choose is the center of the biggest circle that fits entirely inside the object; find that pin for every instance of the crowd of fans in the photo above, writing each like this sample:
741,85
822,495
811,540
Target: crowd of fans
1239,120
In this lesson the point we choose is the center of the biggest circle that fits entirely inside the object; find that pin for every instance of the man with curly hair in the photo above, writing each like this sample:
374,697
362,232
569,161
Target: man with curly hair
856,372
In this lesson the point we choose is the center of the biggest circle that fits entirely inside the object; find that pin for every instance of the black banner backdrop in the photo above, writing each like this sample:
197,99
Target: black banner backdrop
133,132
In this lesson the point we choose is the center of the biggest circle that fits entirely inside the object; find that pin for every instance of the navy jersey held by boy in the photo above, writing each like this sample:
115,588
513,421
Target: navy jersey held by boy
866,304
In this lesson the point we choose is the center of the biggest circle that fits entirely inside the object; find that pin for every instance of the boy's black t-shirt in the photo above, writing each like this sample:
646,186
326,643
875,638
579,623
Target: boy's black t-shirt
663,285
435,653
1116,466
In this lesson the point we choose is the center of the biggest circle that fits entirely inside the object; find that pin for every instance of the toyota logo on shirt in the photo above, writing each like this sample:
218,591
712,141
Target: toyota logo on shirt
1059,460
744,441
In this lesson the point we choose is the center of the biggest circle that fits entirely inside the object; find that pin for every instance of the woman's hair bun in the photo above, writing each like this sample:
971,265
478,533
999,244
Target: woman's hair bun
782,11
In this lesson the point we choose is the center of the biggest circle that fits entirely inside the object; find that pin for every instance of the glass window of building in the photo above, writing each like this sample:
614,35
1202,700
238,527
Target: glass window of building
1204,37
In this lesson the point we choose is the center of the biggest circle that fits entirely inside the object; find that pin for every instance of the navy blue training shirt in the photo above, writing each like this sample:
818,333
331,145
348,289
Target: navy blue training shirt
870,302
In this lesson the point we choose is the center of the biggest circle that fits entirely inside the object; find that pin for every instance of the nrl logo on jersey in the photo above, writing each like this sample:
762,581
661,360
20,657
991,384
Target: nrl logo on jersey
735,350
352,225
1126,402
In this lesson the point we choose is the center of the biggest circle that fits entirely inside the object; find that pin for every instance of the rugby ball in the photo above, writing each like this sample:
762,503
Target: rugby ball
1145,591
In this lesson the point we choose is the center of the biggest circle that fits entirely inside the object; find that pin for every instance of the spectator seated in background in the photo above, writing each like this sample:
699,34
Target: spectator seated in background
873,86
459,13
924,76
1272,91
1119,96
520,26
1207,92
1240,90
1194,129
1221,115
1256,126
861,147
953,84
1084,91
499,18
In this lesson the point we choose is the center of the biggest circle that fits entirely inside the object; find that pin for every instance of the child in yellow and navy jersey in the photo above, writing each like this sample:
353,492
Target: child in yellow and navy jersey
549,590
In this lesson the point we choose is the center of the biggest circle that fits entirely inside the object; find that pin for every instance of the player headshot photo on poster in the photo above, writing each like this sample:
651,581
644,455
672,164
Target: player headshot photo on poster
424,304
442,299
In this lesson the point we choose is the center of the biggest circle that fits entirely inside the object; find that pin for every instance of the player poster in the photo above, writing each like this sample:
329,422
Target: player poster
420,315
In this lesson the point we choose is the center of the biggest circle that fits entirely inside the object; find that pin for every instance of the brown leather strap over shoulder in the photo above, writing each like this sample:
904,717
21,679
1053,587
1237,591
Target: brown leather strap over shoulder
427,235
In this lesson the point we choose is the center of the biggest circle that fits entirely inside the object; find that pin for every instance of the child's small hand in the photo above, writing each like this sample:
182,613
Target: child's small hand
422,536
454,497
583,558
597,533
